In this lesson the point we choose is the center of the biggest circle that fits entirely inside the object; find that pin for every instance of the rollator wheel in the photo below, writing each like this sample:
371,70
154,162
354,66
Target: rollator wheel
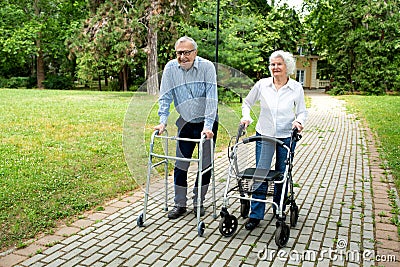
294,215
139,220
200,228
244,208
282,234
228,225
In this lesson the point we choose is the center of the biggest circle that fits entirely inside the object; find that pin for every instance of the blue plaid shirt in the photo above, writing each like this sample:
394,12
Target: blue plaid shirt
193,91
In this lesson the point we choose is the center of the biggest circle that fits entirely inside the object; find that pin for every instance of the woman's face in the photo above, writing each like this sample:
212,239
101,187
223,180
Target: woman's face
277,67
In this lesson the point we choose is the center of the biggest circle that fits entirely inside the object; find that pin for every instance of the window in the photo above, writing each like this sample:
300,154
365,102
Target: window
300,50
300,76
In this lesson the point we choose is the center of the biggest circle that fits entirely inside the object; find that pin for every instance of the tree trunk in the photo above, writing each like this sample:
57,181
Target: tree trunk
105,78
39,60
152,65
125,78
99,81
39,66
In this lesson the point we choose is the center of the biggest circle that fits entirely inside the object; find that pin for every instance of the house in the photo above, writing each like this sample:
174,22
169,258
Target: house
306,71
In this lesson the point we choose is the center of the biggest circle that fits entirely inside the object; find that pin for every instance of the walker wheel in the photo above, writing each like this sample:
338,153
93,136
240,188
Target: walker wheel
200,228
139,220
244,208
294,215
282,234
228,225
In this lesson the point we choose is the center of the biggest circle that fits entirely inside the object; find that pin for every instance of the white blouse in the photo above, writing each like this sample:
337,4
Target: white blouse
279,108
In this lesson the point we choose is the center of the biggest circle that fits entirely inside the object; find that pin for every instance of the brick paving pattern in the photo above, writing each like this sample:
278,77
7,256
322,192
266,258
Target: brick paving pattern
336,172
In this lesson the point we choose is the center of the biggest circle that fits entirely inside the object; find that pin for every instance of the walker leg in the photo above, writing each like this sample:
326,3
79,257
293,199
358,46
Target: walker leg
213,180
142,217
166,186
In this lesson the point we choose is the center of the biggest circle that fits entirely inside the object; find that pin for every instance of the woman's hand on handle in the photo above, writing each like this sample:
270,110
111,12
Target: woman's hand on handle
245,123
297,125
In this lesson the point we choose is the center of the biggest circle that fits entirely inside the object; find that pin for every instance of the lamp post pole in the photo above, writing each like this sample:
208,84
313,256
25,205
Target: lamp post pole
217,37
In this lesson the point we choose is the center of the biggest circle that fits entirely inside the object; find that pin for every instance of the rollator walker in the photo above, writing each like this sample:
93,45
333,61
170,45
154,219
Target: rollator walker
165,160
247,181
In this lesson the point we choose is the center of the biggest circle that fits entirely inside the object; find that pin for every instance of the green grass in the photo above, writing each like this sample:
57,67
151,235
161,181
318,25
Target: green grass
382,114
61,154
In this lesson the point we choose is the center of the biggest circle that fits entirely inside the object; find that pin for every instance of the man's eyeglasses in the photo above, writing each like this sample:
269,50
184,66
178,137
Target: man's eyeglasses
185,53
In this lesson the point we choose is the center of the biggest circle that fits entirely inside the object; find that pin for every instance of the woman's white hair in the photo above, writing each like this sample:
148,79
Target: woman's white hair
288,58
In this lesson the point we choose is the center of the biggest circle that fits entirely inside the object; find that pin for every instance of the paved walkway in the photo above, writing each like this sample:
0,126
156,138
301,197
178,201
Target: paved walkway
341,223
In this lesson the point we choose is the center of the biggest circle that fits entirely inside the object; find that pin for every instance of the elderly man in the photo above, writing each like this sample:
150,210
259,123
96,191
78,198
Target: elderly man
190,82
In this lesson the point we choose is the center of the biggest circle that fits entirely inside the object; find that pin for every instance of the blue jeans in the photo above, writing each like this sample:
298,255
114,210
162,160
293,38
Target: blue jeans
264,152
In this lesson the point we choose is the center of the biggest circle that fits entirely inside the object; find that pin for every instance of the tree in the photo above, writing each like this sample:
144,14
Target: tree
359,39
249,33
118,33
16,40
109,41
36,31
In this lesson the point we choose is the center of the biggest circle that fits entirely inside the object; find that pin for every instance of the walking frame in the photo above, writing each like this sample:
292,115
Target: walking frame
165,160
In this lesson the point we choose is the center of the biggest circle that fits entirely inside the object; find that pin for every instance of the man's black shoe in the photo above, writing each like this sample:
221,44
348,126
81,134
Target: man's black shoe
202,210
176,212
251,223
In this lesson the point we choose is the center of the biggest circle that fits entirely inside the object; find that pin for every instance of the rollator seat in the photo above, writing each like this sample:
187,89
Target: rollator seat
261,174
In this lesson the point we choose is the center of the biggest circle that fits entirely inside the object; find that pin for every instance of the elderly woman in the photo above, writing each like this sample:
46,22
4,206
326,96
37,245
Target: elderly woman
282,109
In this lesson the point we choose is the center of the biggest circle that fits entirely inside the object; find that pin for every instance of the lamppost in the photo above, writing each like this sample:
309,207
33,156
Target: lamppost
217,37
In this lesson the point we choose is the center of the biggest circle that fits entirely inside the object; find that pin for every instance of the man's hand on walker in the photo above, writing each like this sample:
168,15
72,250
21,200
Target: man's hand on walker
160,128
209,134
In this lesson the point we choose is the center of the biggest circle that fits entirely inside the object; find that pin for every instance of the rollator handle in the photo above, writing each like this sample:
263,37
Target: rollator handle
262,138
241,132
295,134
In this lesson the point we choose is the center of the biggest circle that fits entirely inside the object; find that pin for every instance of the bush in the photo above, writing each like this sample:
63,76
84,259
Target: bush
31,82
14,82
3,82
339,89
58,82
113,85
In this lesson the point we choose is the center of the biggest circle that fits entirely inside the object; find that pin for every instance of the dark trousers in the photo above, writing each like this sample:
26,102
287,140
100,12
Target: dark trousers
185,149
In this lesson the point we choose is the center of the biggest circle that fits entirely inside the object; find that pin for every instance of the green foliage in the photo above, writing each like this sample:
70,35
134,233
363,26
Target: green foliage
28,27
58,82
108,41
248,35
227,96
115,36
359,40
13,82
18,82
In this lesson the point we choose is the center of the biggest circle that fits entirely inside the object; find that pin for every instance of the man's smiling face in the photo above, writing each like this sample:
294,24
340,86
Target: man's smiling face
185,54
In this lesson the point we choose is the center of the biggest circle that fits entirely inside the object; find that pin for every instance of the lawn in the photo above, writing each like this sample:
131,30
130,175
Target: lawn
382,114
61,154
